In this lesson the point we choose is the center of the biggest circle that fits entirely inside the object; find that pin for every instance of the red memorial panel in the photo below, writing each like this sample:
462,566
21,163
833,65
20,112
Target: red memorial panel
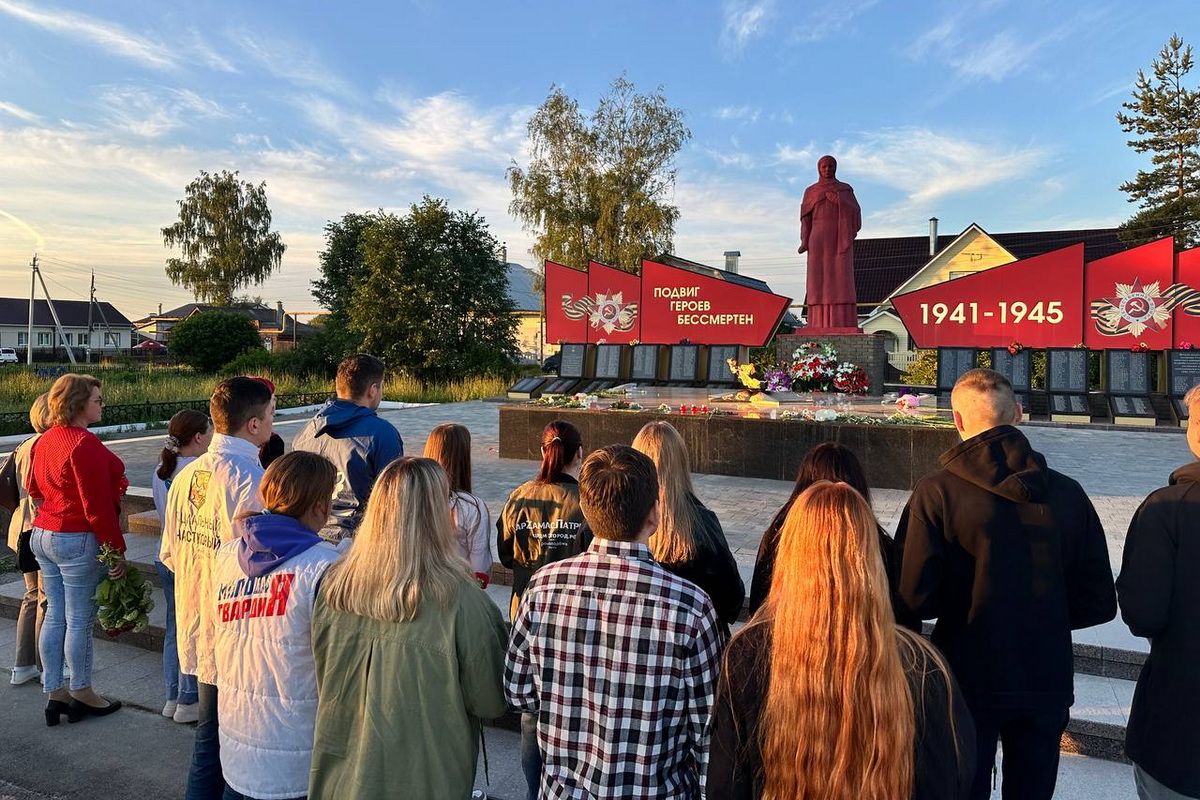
1187,314
564,288
1130,297
678,304
1037,301
613,296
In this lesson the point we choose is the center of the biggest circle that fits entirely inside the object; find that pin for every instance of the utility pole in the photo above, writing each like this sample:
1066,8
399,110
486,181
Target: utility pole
29,330
53,313
91,302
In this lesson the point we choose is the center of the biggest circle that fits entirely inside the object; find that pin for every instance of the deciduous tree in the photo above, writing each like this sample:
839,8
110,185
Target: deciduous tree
224,233
434,299
1164,116
600,187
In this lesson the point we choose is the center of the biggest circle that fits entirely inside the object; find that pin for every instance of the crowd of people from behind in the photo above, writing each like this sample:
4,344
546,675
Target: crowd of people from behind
329,633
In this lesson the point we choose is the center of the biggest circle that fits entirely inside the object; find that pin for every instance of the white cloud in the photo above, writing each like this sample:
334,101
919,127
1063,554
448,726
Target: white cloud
829,18
209,56
152,112
743,20
973,54
107,36
786,154
928,166
738,113
290,61
99,196
14,110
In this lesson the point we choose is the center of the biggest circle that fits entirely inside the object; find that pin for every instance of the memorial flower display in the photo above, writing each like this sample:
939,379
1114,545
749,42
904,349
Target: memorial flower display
778,380
816,368
1185,346
1015,348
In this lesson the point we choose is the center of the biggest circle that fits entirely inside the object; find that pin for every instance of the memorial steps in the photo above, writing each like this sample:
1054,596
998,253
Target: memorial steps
1107,658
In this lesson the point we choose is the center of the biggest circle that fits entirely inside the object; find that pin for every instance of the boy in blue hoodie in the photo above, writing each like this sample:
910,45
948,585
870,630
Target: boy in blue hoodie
348,432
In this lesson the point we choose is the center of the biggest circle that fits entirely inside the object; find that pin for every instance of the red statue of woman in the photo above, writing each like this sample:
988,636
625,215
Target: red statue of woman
829,220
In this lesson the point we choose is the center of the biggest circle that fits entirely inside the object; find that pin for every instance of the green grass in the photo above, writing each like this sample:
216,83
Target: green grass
125,385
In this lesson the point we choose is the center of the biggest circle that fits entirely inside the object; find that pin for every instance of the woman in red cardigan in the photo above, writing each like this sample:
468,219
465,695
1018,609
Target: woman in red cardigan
78,483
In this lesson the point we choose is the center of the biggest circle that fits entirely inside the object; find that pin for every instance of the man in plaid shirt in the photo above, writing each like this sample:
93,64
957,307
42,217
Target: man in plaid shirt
616,656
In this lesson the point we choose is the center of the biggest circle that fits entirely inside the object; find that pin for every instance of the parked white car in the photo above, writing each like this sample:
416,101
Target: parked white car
8,356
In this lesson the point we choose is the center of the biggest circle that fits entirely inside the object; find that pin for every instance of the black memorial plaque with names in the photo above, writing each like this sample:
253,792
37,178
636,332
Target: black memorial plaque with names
1069,404
608,361
1127,372
952,363
1183,370
571,365
1067,370
683,363
1013,367
526,384
718,369
645,362
1124,406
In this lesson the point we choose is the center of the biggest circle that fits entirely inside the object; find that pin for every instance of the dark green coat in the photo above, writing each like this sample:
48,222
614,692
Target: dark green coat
400,703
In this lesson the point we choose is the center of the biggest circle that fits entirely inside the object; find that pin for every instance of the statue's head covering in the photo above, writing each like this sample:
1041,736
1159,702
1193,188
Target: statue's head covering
824,159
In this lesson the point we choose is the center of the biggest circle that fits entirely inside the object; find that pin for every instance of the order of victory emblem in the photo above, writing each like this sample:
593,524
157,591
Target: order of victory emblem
607,311
1137,307
198,490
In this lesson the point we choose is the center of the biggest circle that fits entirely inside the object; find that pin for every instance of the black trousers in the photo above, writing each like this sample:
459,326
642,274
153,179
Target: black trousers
1031,746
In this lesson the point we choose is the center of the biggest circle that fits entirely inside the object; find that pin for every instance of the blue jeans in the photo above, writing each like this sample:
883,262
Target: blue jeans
1150,789
531,754
70,574
230,794
205,780
180,686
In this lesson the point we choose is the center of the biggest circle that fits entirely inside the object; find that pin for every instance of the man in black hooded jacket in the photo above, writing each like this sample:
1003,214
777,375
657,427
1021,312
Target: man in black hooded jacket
1010,557
1159,590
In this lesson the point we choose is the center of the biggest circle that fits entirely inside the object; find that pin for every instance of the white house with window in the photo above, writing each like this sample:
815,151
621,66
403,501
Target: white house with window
110,331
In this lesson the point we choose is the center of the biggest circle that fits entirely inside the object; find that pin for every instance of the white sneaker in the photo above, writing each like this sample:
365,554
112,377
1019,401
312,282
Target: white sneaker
169,709
187,713
25,674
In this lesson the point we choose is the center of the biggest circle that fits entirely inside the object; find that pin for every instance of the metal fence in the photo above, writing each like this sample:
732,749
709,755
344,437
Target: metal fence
15,422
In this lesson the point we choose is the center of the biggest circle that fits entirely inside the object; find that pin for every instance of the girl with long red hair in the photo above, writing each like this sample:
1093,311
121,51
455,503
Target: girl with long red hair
822,696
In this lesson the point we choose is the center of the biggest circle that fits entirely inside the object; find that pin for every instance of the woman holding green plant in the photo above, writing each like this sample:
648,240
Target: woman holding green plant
78,483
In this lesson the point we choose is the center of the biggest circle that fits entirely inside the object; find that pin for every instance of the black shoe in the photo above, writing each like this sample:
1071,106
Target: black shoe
55,709
78,710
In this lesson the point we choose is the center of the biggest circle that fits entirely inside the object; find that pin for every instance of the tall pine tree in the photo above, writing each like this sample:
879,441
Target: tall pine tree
1164,116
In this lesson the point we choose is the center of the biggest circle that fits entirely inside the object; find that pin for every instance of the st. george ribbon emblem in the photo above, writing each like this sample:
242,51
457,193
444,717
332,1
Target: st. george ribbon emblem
607,311
1137,307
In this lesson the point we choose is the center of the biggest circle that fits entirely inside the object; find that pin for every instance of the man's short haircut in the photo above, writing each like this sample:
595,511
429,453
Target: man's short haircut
356,373
989,384
1191,401
617,488
236,401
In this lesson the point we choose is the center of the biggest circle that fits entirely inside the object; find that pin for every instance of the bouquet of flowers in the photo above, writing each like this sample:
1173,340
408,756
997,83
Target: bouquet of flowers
123,603
814,367
778,380
1015,348
850,379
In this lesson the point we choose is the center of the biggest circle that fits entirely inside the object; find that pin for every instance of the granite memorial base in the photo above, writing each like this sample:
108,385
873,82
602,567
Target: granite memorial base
894,456
864,349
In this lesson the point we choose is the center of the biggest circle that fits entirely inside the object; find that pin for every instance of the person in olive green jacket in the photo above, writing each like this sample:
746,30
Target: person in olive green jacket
409,651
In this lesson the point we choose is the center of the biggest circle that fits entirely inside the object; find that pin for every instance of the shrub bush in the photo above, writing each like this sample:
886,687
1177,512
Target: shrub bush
211,339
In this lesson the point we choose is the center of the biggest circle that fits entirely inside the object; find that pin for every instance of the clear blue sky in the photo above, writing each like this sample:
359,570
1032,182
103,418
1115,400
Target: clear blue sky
982,111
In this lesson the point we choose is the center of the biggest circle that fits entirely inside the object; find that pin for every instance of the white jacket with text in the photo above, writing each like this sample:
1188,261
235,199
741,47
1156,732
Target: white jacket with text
204,499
